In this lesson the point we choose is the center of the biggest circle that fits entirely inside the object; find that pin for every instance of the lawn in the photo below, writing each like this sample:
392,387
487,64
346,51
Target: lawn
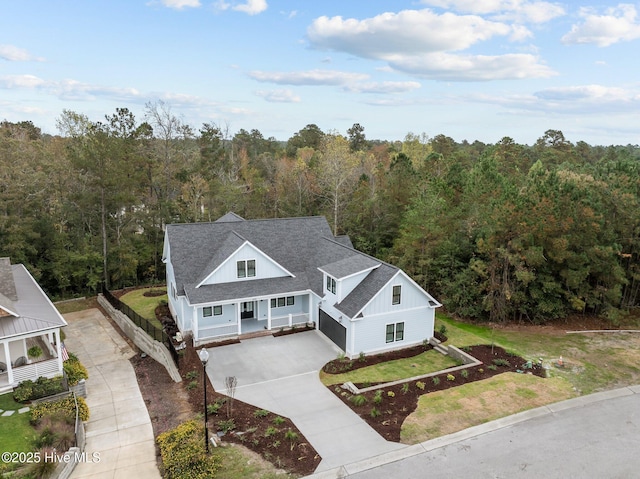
424,363
145,306
17,434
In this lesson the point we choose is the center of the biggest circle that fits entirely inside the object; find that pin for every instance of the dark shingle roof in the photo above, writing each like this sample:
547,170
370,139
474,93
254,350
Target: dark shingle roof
300,245
367,289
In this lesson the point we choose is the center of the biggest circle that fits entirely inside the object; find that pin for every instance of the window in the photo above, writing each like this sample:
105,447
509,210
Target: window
395,332
217,310
331,284
207,311
280,302
246,269
396,294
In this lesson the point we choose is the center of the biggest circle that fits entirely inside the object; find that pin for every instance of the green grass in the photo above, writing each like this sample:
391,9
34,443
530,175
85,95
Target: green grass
143,305
424,363
17,434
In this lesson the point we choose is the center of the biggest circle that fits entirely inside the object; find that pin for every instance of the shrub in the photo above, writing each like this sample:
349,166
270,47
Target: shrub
192,385
391,394
271,431
435,380
191,375
362,358
442,330
358,400
492,367
34,352
63,406
464,373
405,388
278,420
42,387
451,377
74,370
420,385
226,425
261,413
374,412
501,362
183,454
377,397
292,437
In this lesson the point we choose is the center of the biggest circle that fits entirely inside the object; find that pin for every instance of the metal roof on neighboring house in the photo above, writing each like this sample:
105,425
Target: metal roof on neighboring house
35,310
302,246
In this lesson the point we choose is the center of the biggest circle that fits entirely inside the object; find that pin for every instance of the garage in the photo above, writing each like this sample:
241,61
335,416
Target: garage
335,331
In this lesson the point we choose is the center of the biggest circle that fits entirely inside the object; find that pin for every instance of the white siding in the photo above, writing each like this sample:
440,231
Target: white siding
370,333
411,297
228,273
345,286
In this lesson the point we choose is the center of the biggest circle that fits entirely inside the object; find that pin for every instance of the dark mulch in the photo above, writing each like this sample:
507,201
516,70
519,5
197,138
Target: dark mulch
153,293
397,402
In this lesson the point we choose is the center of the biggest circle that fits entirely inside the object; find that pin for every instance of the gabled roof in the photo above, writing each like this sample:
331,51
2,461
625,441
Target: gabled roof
31,309
230,217
303,246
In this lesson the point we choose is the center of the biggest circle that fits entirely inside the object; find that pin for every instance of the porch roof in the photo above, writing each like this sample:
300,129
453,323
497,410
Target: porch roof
35,310
211,293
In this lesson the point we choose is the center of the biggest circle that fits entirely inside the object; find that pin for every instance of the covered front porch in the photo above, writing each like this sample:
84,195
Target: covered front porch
16,365
250,316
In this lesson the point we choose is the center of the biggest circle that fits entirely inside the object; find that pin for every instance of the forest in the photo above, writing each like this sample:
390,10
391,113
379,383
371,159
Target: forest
500,232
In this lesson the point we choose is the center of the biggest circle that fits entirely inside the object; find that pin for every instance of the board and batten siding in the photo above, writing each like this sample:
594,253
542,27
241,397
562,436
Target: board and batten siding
411,297
228,272
369,333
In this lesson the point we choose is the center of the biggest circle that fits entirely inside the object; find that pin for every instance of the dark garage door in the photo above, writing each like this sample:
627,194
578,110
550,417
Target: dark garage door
333,330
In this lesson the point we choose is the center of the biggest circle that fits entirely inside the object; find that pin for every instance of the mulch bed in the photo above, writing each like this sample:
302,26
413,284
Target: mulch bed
398,402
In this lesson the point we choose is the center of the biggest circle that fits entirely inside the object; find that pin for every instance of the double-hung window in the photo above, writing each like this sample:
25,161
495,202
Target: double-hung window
207,311
395,332
397,291
331,284
246,268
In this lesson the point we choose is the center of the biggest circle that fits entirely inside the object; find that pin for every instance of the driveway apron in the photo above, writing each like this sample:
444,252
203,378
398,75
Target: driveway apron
281,374
119,429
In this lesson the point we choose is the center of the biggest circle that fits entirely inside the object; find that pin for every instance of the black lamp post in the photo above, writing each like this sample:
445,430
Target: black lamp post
204,357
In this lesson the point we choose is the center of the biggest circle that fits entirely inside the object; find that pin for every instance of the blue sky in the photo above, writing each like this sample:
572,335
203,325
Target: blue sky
469,69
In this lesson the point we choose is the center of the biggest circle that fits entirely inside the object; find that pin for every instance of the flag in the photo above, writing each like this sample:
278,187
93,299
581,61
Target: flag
65,354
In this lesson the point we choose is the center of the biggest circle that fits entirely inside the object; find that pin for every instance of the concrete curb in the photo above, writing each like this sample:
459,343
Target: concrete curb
416,449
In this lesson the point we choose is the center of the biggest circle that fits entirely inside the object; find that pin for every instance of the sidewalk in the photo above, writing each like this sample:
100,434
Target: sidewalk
119,429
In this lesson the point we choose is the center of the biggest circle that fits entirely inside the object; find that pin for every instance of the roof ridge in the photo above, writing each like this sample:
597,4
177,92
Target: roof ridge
360,252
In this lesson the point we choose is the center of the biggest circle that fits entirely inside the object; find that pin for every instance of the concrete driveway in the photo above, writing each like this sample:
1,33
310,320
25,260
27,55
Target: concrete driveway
119,429
281,375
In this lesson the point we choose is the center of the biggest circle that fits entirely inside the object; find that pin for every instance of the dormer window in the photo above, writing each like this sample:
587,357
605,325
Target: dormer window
331,285
246,268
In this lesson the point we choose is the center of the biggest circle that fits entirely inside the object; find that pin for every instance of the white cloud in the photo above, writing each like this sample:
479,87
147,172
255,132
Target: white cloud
453,67
180,4
310,77
384,87
250,7
518,10
616,25
15,54
278,96
425,44
409,31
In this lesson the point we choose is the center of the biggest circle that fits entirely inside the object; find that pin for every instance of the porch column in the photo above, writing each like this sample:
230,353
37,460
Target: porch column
58,348
194,325
5,344
238,317
269,314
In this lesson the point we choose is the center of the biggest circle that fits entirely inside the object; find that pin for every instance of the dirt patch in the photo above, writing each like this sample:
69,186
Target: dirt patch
386,409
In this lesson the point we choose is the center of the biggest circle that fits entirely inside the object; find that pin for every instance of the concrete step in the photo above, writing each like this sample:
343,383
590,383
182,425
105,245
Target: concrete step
442,349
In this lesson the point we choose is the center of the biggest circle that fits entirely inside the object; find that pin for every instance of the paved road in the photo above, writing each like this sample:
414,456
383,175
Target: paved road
595,436
281,375
119,428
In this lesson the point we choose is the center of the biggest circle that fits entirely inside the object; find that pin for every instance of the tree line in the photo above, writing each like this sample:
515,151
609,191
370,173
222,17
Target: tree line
497,232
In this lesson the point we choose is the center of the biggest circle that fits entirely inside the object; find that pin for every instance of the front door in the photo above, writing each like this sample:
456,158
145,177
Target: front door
246,310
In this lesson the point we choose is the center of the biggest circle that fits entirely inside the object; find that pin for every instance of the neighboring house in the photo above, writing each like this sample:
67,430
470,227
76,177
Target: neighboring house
27,319
236,276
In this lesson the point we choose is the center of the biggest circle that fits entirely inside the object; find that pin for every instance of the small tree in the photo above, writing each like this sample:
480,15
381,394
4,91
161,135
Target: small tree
230,382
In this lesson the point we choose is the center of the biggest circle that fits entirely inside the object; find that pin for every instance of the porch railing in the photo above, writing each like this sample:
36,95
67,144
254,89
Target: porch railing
35,370
216,331
289,320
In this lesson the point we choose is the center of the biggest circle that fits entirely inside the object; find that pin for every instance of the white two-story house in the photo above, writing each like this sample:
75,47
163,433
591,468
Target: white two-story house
236,276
